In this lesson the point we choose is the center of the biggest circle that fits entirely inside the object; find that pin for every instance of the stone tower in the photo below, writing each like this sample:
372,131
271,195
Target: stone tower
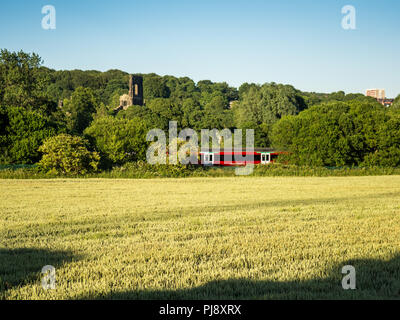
135,96
136,90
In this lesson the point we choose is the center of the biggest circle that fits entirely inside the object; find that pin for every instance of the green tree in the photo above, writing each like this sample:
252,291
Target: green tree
261,106
210,89
192,114
114,87
118,140
22,131
245,87
66,154
331,134
162,111
79,110
387,153
184,88
23,82
396,103
216,114
154,86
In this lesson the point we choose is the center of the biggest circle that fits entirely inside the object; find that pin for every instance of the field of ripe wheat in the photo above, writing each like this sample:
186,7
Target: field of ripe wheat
200,238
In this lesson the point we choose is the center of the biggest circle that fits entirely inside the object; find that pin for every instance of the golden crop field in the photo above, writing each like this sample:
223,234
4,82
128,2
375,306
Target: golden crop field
200,238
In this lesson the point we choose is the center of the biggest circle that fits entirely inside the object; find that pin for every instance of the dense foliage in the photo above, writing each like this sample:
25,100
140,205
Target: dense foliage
79,110
118,140
261,106
22,81
350,133
22,132
318,129
66,154
396,103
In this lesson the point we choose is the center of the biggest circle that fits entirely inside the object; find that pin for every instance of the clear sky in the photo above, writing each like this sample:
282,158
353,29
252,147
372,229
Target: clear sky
298,42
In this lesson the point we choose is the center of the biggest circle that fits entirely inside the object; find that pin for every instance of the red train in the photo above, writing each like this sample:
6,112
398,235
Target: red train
238,158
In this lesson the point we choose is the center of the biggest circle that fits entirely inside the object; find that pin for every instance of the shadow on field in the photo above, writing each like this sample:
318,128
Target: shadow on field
375,279
19,267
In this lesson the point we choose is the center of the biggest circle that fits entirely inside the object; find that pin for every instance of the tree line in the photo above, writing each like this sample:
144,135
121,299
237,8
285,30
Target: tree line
316,128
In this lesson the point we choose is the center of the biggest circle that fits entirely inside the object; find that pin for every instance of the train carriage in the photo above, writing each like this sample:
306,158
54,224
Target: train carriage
235,158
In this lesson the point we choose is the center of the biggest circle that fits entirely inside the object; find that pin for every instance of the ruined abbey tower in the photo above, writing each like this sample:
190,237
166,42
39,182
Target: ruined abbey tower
135,96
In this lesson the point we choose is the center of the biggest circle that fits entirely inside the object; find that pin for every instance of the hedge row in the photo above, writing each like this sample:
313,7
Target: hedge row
143,170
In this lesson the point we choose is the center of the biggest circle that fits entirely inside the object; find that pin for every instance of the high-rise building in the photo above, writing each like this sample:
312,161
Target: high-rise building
376,93
380,96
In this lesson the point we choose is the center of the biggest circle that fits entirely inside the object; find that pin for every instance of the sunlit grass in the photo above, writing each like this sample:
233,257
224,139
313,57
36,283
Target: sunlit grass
200,238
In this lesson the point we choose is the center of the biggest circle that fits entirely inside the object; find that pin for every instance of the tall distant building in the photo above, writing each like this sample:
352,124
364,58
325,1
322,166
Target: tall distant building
135,96
136,90
380,95
376,93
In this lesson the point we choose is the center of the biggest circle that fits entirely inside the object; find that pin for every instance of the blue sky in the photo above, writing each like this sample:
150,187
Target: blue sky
298,42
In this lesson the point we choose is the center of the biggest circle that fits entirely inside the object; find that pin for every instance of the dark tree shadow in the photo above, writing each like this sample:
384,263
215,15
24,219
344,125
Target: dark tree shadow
19,267
375,279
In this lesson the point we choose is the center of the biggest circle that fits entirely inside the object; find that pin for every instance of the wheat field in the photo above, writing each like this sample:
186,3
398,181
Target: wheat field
201,238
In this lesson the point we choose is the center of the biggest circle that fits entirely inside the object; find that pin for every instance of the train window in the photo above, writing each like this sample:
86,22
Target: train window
264,158
208,159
